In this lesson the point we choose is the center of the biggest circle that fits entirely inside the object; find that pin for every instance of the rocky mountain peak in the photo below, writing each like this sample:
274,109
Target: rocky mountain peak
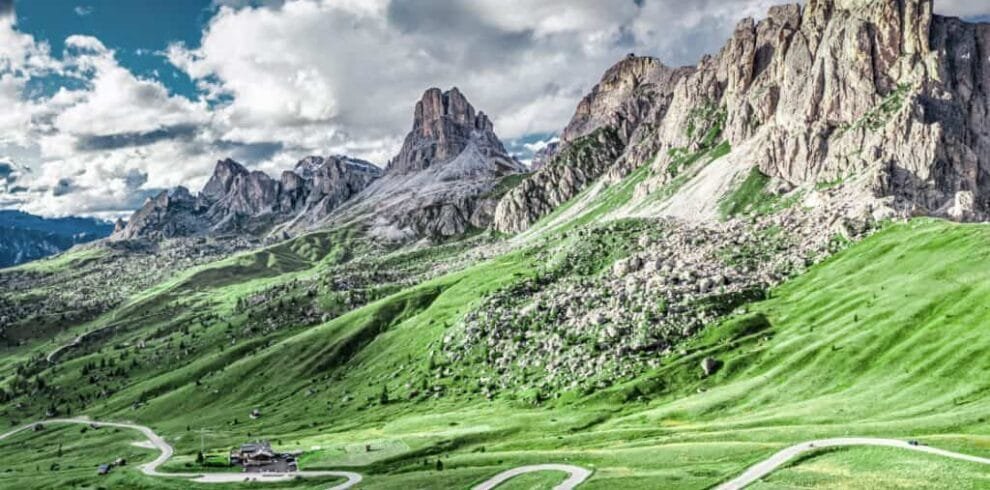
623,98
613,124
238,201
881,97
224,175
444,124
442,182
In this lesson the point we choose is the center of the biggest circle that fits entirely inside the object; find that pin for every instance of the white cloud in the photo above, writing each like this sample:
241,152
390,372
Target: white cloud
324,72
541,144
284,79
83,11
99,148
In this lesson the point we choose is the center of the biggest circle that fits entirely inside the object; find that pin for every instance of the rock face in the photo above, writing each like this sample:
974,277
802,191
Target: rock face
635,91
542,157
236,200
443,181
444,126
881,94
613,121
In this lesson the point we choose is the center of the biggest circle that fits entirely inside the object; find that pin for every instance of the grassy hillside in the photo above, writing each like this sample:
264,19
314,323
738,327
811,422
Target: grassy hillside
884,339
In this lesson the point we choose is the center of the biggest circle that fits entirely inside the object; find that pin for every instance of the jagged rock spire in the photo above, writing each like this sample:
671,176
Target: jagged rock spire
443,126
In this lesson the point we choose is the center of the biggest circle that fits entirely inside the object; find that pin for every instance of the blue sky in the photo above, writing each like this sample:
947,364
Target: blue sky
137,30
107,102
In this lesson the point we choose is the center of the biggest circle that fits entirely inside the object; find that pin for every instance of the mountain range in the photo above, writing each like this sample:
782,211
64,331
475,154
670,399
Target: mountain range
805,96
24,237
778,250
437,186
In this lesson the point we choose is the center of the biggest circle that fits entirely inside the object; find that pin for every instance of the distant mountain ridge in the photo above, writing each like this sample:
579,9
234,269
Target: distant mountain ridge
239,201
439,185
25,237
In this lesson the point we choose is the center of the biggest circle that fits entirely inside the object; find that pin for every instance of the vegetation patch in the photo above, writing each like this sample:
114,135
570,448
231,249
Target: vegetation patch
751,197
505,185
878,117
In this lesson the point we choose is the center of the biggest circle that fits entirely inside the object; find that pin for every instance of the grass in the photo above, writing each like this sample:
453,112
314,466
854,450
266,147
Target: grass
877,117
505,185
878,468
884,339
72,258
748,195
683,159
535,481
68,457
751,197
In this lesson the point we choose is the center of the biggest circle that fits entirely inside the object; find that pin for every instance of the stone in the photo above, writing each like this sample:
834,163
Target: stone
610,124
710,366
884,89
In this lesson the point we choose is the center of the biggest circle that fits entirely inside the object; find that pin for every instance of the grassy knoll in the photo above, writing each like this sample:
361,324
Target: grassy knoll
73,258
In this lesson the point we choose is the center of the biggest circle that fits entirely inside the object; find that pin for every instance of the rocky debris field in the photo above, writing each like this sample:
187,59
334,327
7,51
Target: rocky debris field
75,294
612,300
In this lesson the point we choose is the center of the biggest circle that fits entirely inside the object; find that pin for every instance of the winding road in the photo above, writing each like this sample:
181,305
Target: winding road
576,474
781,458
151,468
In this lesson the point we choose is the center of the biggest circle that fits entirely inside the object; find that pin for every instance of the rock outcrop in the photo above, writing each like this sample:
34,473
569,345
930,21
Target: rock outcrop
238,201
881,95
542,157
444,126
443,182
611,121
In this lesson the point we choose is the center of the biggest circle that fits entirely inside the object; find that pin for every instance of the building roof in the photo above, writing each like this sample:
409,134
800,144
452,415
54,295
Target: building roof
256,447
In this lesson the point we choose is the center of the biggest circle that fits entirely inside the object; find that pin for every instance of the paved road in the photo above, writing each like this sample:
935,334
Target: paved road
53,355
577,475
151,468
768,466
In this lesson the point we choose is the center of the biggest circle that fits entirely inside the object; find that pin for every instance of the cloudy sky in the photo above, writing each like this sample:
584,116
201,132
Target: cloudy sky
106,102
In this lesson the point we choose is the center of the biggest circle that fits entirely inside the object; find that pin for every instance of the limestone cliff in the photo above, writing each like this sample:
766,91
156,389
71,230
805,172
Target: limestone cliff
881,95
615,118
441,182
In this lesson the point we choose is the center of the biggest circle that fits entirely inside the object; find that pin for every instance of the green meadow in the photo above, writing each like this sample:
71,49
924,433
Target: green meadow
887,338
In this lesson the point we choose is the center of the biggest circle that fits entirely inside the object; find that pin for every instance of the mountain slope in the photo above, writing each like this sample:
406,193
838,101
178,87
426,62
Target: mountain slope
882,102
874,95
24,237
660,353
848,349
612,126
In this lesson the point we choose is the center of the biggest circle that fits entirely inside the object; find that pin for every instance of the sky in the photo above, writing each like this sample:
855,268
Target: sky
108,102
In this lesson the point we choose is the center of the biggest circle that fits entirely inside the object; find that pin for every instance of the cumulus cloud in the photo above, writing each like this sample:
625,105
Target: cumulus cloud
103,146
282,79
344,75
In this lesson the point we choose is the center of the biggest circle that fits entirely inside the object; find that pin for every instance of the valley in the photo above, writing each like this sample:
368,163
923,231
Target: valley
766,271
